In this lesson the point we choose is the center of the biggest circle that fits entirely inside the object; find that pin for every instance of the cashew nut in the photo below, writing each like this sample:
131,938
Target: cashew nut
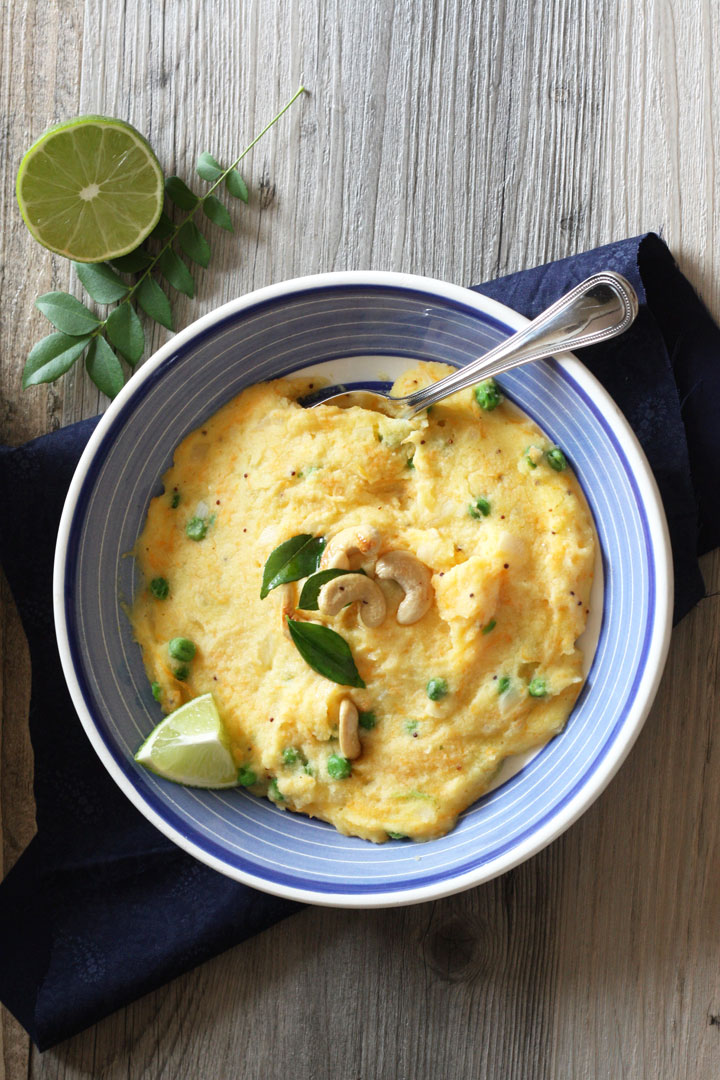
348,730
364,540
348,588
412,576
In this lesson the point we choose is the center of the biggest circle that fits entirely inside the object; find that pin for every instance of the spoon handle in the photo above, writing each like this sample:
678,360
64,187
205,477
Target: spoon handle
600,307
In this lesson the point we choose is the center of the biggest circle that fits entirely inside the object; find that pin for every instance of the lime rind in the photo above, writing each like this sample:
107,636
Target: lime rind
90,162
191,747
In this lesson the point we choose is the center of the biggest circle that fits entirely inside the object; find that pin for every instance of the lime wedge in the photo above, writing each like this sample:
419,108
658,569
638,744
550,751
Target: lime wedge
191,747
90,189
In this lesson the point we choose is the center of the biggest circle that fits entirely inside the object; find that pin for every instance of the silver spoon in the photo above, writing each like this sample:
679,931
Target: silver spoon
599,308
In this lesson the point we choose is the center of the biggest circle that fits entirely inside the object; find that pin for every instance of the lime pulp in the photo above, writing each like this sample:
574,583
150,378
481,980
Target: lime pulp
90,189
190,746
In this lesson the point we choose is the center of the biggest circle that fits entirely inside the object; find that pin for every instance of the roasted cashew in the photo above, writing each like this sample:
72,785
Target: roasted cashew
348,588
348,730
412,576
361,540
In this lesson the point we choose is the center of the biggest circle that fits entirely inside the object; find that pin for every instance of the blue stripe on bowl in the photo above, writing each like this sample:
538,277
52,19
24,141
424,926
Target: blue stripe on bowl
272,338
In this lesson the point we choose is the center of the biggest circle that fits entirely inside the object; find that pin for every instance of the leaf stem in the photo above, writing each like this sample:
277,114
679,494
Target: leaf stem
191,214
248,148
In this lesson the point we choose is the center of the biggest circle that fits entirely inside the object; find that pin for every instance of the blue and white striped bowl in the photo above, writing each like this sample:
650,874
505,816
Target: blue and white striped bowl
359,328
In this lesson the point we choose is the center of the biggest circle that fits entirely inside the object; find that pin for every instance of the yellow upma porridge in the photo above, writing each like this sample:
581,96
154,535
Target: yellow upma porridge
383,609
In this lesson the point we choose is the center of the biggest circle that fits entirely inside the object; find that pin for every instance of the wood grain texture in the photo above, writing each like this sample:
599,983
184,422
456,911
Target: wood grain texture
458,140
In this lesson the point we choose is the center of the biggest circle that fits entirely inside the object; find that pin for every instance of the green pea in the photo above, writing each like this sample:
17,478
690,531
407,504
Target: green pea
246,776
160,588
180,671
338,767
532,452
290,755
175,501
196,528
489,627
488,395
537,687
156,689
556,459
503,684
308,769
181,648
274,791
480,507
411,726
436,689
367,720
398,836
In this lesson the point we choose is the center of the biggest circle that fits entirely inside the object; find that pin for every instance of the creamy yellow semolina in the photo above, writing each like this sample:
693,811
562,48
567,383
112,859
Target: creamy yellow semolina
510,597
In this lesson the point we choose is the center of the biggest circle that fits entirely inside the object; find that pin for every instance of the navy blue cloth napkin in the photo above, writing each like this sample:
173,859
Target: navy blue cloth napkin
101,908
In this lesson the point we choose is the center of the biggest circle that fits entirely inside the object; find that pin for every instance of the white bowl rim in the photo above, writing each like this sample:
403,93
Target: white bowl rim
659,635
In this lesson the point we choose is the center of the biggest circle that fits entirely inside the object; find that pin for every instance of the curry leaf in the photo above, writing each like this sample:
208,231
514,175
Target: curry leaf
104,368
179,193
154,302
309,596
164,228
194,243
51,358
125,332
67,314
133,262
208,167
217,212
101,282
174,269
325,651
297,558
237,186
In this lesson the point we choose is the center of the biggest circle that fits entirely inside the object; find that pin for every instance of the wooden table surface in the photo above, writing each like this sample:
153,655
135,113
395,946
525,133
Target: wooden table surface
460,140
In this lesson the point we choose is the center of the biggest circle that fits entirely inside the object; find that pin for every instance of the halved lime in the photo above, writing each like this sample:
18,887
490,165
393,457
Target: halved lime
190,746
90,189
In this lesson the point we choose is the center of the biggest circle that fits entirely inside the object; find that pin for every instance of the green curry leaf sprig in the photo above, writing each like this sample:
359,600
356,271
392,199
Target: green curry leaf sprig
325,651
130,282
297,558
321,648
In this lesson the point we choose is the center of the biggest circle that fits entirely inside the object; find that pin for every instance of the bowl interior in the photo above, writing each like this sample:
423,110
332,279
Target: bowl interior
357,332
